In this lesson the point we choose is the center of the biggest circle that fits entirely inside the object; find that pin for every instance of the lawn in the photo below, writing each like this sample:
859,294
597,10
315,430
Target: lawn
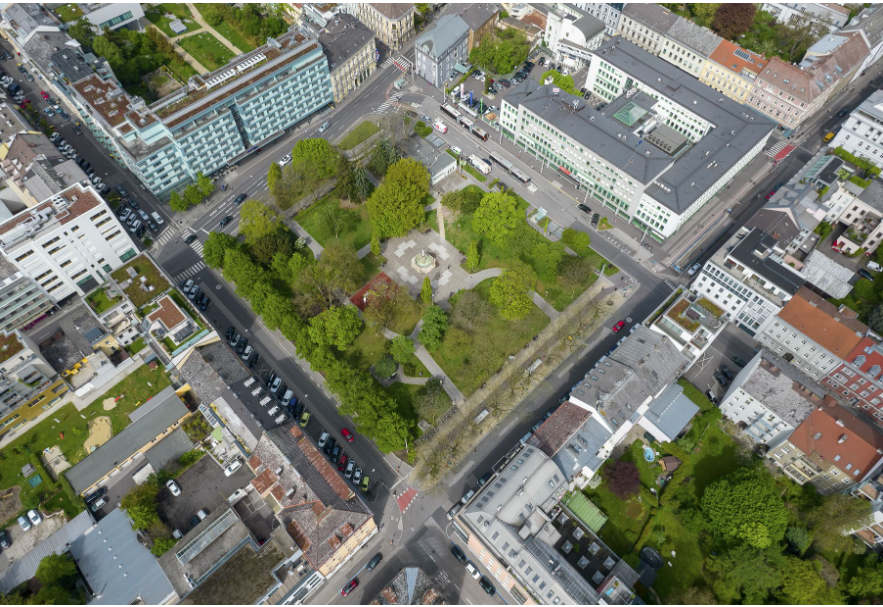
407,319
367,349
143,268
357,135
471,170
469,358
183,71
99,301
327,220
72,425
157,16
68,12
136,346
230,32
207,50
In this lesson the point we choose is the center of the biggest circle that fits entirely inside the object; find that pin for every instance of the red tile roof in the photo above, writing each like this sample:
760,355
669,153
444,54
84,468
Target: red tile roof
821,321
725,55
264,481
168,313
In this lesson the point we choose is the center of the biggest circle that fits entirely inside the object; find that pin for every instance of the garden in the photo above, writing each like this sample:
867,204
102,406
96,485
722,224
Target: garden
157,15
329,219
100,302
135,290
245,27
207,50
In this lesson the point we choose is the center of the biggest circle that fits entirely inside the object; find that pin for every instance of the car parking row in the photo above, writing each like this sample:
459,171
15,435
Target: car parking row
346,465
192,291
136,220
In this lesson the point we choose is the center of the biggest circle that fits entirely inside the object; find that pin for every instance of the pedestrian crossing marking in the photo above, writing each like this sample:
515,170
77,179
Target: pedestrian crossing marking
192,270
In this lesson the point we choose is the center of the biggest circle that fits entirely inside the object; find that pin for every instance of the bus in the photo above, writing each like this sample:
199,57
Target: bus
479,133
508,166
466,122
480,164
450,111
519,175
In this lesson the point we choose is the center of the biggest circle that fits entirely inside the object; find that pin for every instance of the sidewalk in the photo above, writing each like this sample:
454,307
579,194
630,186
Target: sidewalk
544,305
433,368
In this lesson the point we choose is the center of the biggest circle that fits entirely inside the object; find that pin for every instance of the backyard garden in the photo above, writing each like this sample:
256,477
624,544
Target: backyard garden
145,274
159,15
207,50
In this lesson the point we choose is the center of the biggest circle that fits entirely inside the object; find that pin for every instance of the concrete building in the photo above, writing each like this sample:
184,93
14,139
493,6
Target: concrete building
607,12
863,217
216,120
692,323
22,21
832,449
112,15
872,532
858,376
482,19
862,133
410,586
440,48
812,334
391,22
351,51
828,14
732,70
22,301
769,398
571,33
68,244
869,25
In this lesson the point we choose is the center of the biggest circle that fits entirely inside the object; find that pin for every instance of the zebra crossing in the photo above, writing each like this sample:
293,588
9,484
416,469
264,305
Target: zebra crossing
197,246
389,61
383,107
775,148
165,237
194,269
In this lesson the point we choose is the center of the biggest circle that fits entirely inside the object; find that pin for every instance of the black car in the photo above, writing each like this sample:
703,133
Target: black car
842,113
335,454
505,83
153,227
204,304
595,218
240,199
487,586
121,192
458,554
235,341
194,521
281,391
133,204
719,378
584,209
5,542
271,378
865,274
375,560
330,445
226,220
100,492
712,397
739,362
231,331
241,345
296,408
140,231
190,239
727,373
484,479
253,360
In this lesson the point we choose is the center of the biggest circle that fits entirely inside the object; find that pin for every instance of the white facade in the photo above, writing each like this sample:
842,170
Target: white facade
608,13
809,356
833,16
113,15
66,240
862,134
571,34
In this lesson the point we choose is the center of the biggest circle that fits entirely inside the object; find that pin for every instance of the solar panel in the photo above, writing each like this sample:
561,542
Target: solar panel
743,55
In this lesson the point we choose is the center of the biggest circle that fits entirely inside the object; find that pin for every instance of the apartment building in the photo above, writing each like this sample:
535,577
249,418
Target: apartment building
482,19
869,25
858,377
769,398
812,334
789,94
833,449
391,22
22,301
827,14
862,215
351,52
646,25
571,34
68,244
28,384
440,48
862,133
607,12
872,531
20,22
691,322
732,70
216,120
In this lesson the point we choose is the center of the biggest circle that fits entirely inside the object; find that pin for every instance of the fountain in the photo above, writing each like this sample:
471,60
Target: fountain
423,263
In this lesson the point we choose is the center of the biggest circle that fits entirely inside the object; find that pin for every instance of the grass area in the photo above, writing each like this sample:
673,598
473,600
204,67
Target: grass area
157,16
182,71
368,347
233,36
99,301
327,220
471,170
470,358
407,319
357,135
68,12
404,395
143,268
72,425
136,346
371,266
207,50
414,368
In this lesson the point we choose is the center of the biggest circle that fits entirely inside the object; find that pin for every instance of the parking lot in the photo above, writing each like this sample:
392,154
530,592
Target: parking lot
202,486
731,342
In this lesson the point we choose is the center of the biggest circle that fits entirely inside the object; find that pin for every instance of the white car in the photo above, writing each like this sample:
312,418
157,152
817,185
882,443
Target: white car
473,571
173,487
232,467
285,161
34,517
324,127
23,523
694,269
456,150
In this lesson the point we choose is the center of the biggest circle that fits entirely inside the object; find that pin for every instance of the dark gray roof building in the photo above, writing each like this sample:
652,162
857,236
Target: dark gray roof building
169,449
669,413
343,38
753,252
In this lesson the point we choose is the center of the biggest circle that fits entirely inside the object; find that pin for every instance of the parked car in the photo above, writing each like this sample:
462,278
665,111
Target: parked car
842,113
342,462
584,209
456,150
329,446
34,517
350,468
693,269
98,505
739,362
467,497
458,554
100,492
484,479
357,476
5,542
336,452
350,586
719,378
231,331
712,397
323,440
595,218
173,487
618,326
375,560
24,523
366,482
473,571
727,373
232,467
487,586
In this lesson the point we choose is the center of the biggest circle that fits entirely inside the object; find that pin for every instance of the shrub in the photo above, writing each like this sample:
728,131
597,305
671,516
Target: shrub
385,367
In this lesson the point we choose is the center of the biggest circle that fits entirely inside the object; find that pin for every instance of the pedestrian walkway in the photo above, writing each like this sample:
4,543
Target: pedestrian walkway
433,368
200,68
298,229
166,236
194,269
473,280
544,305
198,18
392,100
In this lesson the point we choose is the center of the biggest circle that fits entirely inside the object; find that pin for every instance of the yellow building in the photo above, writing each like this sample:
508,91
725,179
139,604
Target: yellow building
350,47
732,70
391,22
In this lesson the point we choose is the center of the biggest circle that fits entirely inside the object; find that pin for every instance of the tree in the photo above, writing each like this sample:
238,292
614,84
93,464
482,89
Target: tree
463,201
396,207
176,203
623,478
338,327
497,216
798,537
432,402
703,12
565,83
426,291
82,32
339,268
205,185
509,292
361,184
471,311
319,155
575,271
798,34
745,506
161,545
402,349
695,595
215,248
472,256
385,367
192,196
733,20
57,570
578,241
545,256
802,584
266,246
422,8
835,517
750,572
375,244
140,505
273,175
867,582
435,323
257,219
875,318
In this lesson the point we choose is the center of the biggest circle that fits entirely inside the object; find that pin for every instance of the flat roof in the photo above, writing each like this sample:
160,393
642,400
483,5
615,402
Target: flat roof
753,252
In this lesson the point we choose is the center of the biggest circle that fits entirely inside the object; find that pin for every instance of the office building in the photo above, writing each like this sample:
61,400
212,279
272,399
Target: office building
732,70
440,48
214,121
608,13
391,22
351,51
571,33
111,15
862,133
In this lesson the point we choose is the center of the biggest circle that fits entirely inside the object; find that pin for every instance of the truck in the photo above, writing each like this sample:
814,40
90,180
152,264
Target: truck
480,165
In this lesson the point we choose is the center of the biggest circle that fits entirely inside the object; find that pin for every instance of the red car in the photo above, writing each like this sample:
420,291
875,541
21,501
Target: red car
44,94
348,435
349,587
618,326
341,463
770,195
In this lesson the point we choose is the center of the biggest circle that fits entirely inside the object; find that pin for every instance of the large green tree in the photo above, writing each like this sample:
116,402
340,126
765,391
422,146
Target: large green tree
264,247
435,323
273,175
257,219
497,217
396,207
834,518
432,401
140,505
205,185
802,584
402,348
338,327
565,83
509,292
867,581
319,155
215,248
57,570
746,574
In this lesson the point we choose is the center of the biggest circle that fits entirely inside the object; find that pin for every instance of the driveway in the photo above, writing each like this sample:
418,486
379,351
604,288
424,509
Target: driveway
731,342
24,541
202,486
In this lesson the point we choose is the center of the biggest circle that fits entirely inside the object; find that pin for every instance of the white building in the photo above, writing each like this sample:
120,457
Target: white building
69,244
691,322
769,398
862,134
113,15
869,25
607,12
571,33
828,14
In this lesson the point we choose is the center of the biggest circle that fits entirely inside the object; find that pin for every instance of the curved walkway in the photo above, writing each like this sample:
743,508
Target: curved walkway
473,280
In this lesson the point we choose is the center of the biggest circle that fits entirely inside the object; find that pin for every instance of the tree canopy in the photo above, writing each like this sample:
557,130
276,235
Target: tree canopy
396,207
565,83
435,323
215,248
338,327
140,505
509,292
257,219
319,155
497,216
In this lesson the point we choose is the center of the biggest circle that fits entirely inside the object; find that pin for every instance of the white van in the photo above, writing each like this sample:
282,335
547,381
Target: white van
265,400
274,410
440,126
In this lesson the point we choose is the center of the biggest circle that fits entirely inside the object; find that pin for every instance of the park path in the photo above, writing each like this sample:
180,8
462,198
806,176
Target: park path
198,18
433,368
544,305
315,247
473,280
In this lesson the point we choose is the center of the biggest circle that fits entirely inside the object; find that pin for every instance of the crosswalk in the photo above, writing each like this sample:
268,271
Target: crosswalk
197,246
775,148
389,61
383,107
194,269
166,236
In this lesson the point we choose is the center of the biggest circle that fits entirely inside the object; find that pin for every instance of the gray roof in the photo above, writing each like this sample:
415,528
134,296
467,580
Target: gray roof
28,16
43,45
210,369
438,40
671,411
23,569
163,410
826,275
778,385
869,22
169,449
477,14
873,195
753,253
651,15
343,38
590,26
589,437
117,566
701,39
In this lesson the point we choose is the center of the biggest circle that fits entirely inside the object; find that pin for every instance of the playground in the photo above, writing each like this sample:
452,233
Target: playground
100,431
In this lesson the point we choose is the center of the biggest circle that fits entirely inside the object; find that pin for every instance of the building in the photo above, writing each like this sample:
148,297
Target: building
69,243
410,586
351,52
812,334
746,279
790,218
319,510
691,322
827,277
391,22
28,383
769,398
732,70
482,19
607,12
428,151
862,133
827,14
857,377
19,22
440,48
116,567
869,25
789,94
511,527
832,449
872,491
215,120
571,33
574,438
646,25
112,15
168,321
152,421
22,301
863,217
